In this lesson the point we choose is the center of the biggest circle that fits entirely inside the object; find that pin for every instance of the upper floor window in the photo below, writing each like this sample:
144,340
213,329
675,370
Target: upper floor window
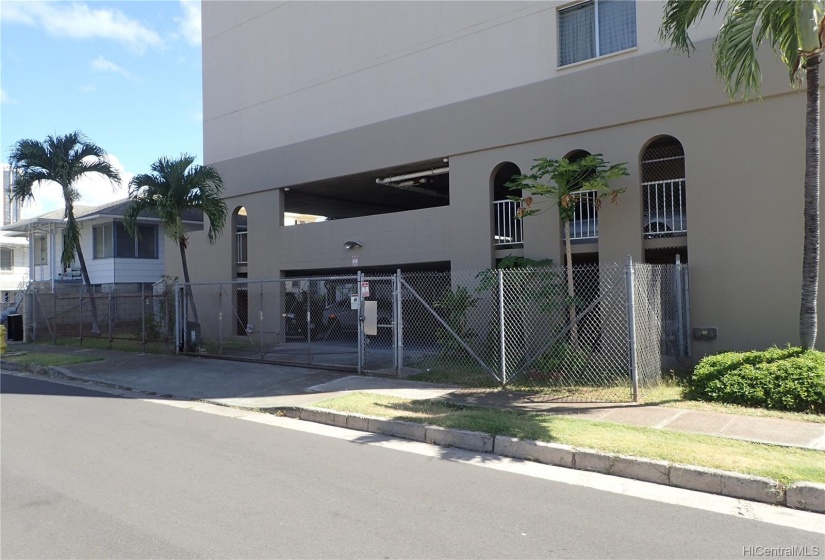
6,259
112,240
596,28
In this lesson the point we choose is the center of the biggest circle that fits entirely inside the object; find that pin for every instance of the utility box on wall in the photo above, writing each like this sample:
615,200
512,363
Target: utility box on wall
704,333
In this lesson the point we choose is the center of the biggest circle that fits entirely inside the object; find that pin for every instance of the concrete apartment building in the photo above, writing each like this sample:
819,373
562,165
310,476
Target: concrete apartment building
402,121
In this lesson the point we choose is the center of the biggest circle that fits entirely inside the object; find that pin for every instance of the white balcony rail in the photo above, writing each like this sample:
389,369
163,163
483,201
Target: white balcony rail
240,238
665,209
585,222
507,223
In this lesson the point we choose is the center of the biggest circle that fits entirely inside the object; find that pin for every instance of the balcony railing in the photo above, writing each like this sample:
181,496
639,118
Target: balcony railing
508,226
585,222
240,238
665,209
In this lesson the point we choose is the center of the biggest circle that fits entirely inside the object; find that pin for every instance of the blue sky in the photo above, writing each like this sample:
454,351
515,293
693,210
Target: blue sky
127,74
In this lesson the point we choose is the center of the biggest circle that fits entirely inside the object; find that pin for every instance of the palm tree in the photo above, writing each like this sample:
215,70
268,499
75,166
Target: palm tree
173,187
795,30
563,181
62,160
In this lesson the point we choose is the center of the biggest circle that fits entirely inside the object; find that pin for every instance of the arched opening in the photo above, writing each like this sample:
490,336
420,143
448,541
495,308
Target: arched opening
584,222
507,225
664,200
240,262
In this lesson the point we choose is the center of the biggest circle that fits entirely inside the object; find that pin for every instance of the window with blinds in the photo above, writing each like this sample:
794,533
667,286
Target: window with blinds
596,28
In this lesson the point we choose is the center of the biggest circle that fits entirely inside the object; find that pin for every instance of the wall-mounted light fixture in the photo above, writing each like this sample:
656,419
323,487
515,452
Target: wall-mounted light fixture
352,245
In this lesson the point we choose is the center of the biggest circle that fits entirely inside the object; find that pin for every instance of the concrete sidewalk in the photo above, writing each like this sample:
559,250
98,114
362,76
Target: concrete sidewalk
264,386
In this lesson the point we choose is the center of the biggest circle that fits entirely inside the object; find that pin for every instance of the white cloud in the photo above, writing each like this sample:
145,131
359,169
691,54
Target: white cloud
94,190
7,99
77,20
190,24
103,65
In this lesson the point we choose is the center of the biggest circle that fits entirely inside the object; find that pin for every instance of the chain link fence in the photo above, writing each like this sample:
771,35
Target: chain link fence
593,334
139,318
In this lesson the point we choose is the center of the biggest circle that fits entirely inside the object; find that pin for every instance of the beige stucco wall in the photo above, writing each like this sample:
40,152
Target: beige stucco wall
744,161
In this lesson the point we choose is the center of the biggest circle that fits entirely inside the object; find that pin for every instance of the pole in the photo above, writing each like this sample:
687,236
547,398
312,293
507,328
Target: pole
360,277
502,337
143,317
220,318
81,317
177,318
110,319
261,322
400,322
54,316
631,329
680,320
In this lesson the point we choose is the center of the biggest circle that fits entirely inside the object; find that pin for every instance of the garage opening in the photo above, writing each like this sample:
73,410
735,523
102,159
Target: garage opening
382,191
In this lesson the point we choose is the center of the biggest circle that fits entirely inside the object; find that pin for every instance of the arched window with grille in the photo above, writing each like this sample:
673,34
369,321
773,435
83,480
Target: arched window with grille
664,202
507,225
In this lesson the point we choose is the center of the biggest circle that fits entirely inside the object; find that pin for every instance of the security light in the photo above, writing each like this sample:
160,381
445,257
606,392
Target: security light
351,245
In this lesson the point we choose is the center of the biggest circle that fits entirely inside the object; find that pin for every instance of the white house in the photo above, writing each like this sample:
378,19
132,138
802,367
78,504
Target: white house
113,258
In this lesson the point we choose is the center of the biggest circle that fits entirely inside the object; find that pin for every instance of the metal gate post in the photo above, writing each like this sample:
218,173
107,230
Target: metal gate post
308,305
502,337
631,328
679,315
110,319
81,317
688,348
261,322
399,323
220,318
54,316
143,317
360,278
177,318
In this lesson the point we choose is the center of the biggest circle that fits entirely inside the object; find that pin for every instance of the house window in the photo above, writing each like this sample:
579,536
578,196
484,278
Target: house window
112,240
596,28
104,242
6,259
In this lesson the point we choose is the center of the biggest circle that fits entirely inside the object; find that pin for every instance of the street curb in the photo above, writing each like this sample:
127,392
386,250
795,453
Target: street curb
806,496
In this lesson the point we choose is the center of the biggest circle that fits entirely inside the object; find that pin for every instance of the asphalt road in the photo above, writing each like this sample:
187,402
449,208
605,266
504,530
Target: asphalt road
85,474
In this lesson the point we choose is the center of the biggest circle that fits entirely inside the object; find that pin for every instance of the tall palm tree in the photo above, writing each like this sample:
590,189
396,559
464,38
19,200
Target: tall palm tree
62,160
564,181
173,187
795,30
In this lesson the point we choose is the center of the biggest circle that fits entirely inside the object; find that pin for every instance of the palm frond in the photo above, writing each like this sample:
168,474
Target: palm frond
735,49
679,16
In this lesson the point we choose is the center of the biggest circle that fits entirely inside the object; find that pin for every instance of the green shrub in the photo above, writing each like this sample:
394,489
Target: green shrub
777,378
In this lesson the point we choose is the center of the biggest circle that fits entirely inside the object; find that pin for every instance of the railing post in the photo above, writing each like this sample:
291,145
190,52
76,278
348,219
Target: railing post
631,329
501,326
680,334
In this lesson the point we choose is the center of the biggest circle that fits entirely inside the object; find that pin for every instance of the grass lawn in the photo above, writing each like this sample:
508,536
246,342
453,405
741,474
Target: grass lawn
781,463
102,343
46,359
